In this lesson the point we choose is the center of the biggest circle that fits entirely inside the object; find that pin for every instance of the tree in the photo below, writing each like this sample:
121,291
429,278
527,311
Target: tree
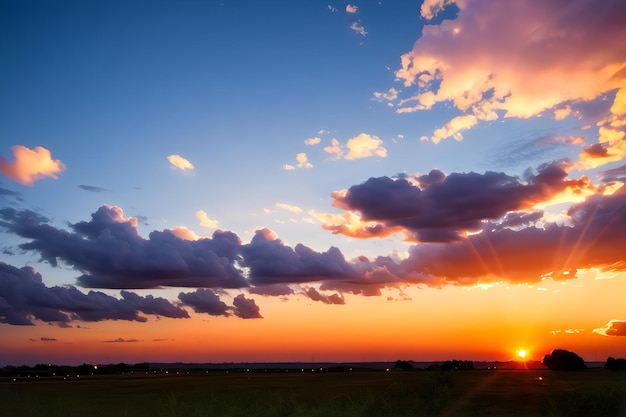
613,364
561,359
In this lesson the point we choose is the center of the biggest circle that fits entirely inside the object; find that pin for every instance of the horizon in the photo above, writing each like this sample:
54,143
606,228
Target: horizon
230,181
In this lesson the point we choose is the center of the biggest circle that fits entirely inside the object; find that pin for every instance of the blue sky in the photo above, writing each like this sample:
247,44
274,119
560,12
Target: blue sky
277,107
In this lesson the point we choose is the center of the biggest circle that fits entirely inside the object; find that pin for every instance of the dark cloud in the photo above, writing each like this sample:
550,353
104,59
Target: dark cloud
7,194
597,150
436,209
315,295
24,297
596,238
246,308
274,290
532,147
204,301
272,262
111,254
121,340
615,174
48,339
91,188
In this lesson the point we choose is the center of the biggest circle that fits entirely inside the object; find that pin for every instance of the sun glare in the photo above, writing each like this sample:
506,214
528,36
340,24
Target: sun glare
521,353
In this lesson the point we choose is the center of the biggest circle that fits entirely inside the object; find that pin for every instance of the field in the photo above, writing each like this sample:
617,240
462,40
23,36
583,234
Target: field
595,392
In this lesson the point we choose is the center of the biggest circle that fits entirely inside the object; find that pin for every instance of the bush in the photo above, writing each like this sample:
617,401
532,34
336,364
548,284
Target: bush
564,360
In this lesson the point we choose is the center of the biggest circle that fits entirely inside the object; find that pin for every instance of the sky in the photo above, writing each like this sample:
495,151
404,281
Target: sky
242,181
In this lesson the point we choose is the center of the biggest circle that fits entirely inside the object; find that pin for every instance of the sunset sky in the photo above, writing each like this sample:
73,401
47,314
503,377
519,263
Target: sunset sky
224,181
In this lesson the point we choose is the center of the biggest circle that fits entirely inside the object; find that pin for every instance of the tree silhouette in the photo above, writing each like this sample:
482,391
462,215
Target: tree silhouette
561,359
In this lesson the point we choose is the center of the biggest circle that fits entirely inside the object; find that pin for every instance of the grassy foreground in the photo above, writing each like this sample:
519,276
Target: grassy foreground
421,393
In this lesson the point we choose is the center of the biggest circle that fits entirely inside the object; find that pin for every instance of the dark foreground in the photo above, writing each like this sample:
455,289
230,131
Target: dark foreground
590,393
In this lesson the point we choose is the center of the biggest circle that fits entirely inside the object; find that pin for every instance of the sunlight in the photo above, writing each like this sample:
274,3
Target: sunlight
522,354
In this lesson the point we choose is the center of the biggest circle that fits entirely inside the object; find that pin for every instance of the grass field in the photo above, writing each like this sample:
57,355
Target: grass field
499,393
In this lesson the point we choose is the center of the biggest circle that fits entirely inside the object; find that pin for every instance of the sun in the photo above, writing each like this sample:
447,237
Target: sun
522,353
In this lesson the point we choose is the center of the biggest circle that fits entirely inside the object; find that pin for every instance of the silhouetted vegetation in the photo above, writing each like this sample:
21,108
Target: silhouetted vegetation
613,364
404,366
564,360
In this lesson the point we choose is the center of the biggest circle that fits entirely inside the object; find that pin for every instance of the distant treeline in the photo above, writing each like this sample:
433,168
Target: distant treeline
557,360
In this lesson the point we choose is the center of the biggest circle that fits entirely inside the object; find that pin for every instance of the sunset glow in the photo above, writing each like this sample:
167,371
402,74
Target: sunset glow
278,181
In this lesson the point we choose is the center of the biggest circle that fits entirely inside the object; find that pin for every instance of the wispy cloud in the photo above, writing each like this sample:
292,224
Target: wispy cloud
91,188
358,28
288,207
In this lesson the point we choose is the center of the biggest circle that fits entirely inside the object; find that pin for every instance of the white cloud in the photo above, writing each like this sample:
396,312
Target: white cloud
350,8
179,162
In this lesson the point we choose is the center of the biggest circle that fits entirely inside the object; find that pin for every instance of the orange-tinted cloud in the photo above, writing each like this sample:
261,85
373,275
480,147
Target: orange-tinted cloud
611,144
440,208
365,146
520,58
612,328
205,221
31,165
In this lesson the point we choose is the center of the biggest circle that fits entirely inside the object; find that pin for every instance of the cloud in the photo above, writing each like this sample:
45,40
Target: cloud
350,8
24,297
611,144
7,194
246,308
91,188
205,221
31,165
612,328
272,262
179,162
471,227
440,208
430,8
615,174
293,209
275,290
334,149
312,141
365,146
204,301
184,233
303,162
332,8
48,339
358,28
110,253
390,95
519,59
594,239
121,340
315,295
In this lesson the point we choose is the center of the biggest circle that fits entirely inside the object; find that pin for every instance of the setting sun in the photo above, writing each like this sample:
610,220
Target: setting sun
521,353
